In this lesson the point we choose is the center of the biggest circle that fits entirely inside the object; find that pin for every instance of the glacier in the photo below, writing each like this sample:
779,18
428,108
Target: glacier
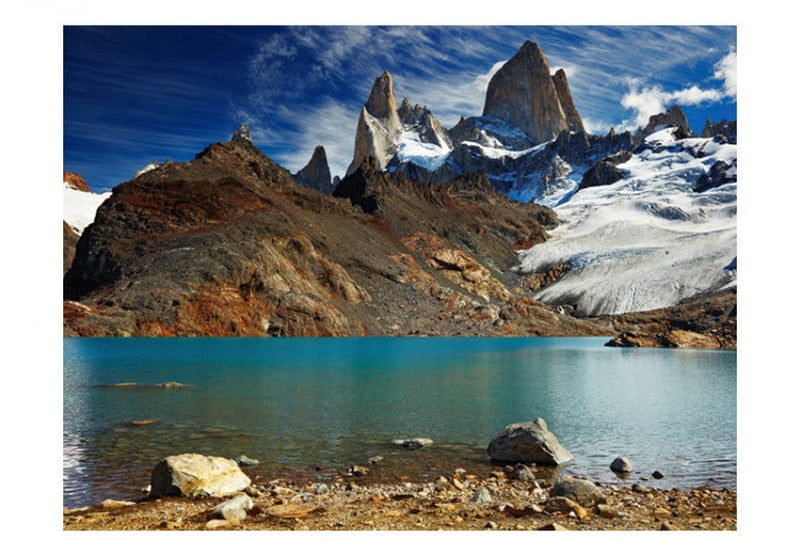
648,240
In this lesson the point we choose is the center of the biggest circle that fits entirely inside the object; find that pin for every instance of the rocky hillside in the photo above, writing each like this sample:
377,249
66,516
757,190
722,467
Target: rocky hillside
230,244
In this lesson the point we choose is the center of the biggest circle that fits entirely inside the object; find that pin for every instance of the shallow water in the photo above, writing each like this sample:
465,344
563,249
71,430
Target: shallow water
297,404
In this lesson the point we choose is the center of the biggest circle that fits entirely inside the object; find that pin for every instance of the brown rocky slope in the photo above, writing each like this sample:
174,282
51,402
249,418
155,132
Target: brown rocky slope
230,244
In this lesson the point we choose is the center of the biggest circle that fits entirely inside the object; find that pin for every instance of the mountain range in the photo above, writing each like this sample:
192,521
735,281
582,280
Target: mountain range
514,222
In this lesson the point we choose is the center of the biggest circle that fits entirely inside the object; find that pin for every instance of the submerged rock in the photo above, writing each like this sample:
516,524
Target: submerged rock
244,461
197,476
412,443
529,442
621,465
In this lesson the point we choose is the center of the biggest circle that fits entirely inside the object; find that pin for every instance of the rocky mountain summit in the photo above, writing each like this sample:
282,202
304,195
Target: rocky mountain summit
523,93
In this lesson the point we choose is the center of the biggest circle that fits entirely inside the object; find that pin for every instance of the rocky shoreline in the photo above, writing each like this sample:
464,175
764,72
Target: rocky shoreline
506,499
196,492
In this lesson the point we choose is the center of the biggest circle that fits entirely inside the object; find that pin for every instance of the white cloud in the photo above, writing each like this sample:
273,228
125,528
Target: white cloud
725,70
695,95
647,101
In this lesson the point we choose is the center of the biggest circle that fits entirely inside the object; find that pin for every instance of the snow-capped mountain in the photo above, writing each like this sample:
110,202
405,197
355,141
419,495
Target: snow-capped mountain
648,218
650,239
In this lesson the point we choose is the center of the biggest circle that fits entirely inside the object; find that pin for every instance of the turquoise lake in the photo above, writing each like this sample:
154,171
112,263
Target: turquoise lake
311,407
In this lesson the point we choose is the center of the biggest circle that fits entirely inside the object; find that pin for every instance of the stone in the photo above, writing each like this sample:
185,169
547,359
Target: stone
640,488
621,465
358,471
529,442
234,509
522,472
658,475
218,524
412,443
244,461
197,476
581,491
481,496
374,460
115,504
564,505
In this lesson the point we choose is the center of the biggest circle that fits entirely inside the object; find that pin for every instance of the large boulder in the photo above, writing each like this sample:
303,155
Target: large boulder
197,476
529,442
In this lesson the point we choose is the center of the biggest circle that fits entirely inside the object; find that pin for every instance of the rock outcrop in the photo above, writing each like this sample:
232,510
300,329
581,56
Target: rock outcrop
524,94
197,476
317,173
529,442
674,117
242,133
75,181
70,241
723,131
702,322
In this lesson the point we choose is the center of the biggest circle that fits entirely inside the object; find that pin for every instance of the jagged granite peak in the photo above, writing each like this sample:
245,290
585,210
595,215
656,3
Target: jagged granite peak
523,94
724,130
316,174
242,134
381,102
379,125
420,119
567,104
674,117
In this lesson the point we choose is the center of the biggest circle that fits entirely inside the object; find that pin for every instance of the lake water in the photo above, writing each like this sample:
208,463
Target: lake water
308,407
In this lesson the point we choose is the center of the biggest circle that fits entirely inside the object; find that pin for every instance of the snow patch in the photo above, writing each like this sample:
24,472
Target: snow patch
80,207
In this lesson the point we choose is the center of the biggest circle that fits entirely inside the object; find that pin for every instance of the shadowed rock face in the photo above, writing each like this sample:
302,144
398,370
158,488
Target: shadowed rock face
523,94
316,173
229,244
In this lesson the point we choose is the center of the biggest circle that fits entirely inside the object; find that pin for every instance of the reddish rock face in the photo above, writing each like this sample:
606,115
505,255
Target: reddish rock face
75,181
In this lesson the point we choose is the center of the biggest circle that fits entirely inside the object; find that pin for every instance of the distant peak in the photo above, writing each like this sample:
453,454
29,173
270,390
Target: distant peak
242,134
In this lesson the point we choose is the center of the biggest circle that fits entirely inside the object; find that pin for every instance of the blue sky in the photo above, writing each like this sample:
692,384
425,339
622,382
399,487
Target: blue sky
134,94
